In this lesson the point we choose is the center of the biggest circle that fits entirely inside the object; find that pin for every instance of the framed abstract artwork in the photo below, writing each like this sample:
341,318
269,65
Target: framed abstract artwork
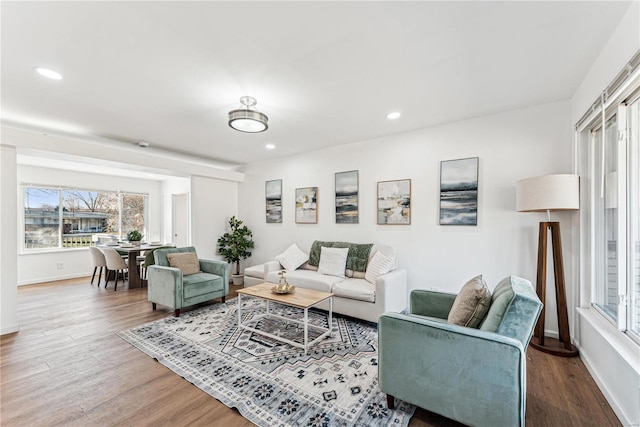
459,192
273,198
394,202
347,197
307,205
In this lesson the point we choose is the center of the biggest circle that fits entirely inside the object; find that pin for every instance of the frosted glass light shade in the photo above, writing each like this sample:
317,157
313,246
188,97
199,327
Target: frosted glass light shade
548,193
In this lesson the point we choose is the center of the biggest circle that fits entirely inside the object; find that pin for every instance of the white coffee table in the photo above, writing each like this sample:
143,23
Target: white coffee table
301,298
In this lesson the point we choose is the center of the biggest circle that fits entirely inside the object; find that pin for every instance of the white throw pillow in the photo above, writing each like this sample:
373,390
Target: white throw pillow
292,258
333,261
379,265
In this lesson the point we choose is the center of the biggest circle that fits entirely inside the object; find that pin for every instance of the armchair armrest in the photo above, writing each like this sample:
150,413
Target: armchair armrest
165,286
219,268
391,287
270,266
469,375
431,303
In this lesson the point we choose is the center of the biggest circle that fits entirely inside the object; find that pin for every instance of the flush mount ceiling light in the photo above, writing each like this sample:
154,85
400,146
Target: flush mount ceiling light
48,73
393,115
270,146
247,118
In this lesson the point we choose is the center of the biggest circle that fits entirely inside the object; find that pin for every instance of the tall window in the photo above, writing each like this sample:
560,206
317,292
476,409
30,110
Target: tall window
86,217
610,169
41,218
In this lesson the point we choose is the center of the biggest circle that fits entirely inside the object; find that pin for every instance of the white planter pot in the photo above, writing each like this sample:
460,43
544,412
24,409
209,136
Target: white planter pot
238,279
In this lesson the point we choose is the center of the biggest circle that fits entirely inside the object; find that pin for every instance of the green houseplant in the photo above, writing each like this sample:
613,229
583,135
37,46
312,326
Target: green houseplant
234,246
134,236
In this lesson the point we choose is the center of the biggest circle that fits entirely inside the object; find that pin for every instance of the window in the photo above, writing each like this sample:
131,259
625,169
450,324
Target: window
86,217
609,166
41,218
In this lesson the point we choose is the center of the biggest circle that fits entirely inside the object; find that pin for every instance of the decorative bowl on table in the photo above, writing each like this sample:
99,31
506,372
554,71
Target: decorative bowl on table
283,289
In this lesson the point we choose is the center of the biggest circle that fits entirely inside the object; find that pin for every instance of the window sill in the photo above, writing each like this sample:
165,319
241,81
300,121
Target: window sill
626,347
27,252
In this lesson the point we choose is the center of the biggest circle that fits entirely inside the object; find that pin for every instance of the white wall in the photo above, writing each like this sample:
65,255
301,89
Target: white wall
42,267
8,239
611,357
213,202
512,145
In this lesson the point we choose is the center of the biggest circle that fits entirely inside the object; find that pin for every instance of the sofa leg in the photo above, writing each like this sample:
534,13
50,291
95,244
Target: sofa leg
224,299
390,401
153,304
177,312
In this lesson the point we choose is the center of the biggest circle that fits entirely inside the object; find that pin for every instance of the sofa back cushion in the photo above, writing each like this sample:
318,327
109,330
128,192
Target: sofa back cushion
514,310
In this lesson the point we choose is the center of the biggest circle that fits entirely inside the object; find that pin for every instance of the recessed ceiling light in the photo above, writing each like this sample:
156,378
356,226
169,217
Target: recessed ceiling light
269,146
143,144
393,115
48,73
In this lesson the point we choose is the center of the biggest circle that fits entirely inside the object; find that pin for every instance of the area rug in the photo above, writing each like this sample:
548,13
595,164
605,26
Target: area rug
271,383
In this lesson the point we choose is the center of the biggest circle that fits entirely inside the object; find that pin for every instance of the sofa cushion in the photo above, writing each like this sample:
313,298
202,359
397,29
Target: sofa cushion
358,289
471,304
306,279
333,261
316,247
379,265
256,271
292,258
503,295
201,283
187,262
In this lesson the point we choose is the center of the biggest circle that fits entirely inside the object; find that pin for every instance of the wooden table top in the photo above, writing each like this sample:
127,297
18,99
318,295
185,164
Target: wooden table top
303,298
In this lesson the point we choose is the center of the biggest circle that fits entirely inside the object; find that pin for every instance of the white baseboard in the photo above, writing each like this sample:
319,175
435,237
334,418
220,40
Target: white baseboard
10,330
53,279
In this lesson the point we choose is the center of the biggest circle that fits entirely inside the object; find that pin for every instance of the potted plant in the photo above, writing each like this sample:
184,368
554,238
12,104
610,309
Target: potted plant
134,236
234,246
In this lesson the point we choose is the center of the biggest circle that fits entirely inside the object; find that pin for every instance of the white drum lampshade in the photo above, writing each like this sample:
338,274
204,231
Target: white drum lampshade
548,193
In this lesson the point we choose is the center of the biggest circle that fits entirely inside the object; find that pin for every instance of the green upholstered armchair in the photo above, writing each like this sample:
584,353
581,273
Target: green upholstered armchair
169,287
475,376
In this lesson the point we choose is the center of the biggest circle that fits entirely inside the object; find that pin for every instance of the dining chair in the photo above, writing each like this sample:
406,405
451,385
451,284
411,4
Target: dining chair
98,260
116,263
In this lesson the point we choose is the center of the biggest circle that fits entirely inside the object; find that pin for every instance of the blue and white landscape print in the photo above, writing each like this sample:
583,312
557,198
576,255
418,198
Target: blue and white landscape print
347,197
459,192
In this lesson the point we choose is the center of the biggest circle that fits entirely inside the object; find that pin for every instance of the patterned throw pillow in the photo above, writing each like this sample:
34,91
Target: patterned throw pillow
471,305
380,264
185,261
292,258
333,261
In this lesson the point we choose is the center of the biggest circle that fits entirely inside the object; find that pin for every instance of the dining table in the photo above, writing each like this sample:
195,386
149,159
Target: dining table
132,252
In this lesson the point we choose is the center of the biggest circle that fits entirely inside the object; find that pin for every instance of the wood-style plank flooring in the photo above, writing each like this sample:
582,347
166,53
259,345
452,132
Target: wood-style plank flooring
66,366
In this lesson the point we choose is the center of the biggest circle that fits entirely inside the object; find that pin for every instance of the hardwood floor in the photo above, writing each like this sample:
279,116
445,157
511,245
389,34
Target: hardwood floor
66,366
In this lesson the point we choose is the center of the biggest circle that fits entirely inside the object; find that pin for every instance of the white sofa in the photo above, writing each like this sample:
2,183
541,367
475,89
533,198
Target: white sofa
353,296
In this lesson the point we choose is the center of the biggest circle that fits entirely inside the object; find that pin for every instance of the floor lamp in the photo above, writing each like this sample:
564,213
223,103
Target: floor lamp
550,193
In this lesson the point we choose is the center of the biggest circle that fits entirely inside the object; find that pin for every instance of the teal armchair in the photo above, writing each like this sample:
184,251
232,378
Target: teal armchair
474,376
169,287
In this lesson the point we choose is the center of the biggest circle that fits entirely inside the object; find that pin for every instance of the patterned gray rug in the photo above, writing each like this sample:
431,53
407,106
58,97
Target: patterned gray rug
270,383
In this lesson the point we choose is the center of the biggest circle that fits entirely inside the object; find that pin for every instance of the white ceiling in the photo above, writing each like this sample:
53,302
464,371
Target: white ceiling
326,73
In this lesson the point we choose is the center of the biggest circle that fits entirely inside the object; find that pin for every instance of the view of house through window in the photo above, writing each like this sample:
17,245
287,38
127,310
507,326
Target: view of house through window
87,217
